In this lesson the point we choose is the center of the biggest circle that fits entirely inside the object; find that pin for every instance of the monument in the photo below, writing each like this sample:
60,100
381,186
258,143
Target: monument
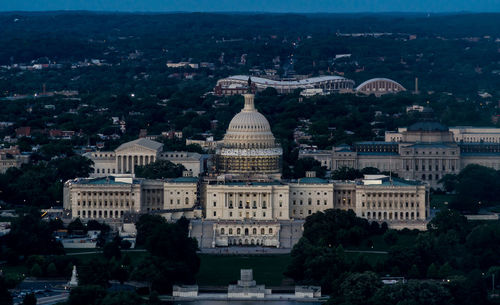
74,278
247,287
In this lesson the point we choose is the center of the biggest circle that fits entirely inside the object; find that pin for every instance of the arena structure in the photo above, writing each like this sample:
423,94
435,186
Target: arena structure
379,86
238,84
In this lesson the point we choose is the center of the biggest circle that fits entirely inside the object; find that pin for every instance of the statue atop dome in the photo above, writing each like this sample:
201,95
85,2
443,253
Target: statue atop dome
249,89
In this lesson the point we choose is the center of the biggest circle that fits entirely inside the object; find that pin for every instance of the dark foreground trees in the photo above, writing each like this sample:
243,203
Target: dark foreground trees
450,263
172,258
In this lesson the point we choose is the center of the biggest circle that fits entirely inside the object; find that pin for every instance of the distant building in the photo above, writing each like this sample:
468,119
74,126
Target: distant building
142,151
424,151
11,157
109,199
209,144
244,200
312,92
182,64
229,85
24,131
379,86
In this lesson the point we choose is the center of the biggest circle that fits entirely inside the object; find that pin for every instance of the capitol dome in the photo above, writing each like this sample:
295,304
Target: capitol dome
249,128
249,146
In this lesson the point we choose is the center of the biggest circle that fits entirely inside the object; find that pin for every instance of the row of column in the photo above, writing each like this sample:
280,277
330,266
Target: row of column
126,164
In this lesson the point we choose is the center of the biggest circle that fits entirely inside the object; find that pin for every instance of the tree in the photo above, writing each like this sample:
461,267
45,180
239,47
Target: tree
86,295
346,173
29,299
432,272
145,226
123,298
447,220
449,182
36,270
76,226
413,273
5,296
391,237
445,270
159,169
370,171
51,269
476,186
112,249
308,164
414,293
95,272
359,288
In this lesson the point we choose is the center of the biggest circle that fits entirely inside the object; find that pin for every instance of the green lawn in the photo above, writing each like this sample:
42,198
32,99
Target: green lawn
222,270
134,256
78,250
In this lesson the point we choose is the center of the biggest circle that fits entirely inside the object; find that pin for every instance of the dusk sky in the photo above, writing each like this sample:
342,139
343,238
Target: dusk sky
306,6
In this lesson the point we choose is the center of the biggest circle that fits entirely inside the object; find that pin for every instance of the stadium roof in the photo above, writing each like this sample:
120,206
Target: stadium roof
377,79
306,81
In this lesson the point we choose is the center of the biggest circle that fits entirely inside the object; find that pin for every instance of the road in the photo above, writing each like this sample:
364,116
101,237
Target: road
53,299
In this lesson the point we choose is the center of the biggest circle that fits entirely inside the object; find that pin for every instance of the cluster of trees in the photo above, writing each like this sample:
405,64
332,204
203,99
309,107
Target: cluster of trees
367,289
319,257
463,253
476,187
29,235
159,169
172,258
40,182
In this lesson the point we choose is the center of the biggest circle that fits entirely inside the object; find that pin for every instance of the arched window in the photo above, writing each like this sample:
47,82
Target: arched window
222,231
238,231
262,231
254,231
270,230
230,231
187,200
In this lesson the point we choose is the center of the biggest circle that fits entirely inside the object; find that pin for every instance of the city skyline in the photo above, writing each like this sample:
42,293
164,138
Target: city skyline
292,6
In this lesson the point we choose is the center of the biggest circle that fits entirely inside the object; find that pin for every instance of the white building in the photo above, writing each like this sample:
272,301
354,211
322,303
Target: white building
140,152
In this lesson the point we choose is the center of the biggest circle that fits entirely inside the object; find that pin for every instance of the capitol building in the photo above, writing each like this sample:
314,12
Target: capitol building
249,146
243,201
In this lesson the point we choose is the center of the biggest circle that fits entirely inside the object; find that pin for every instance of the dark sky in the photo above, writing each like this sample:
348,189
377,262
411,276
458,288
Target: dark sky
305,6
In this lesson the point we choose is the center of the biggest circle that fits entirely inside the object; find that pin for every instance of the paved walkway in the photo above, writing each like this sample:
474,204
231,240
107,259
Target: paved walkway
244,251
95,252
238,251
53,299
266,251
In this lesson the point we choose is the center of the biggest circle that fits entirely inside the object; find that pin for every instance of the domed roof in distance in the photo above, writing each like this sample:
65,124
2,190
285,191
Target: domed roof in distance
249,128
427,126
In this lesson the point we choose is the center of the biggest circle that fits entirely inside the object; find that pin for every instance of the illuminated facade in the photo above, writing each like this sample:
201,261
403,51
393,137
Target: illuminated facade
249,146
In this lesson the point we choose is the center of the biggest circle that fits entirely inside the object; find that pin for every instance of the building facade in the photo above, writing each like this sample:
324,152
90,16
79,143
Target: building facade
249,146
379,86
243,201
424,151
140,152
110,199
